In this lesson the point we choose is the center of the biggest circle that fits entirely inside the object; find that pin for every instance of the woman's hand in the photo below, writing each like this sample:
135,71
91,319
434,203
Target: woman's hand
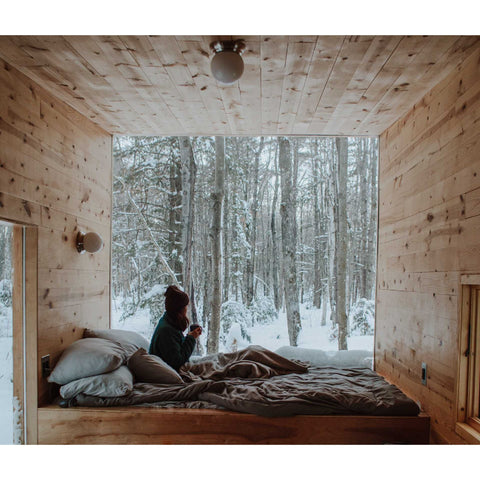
196,333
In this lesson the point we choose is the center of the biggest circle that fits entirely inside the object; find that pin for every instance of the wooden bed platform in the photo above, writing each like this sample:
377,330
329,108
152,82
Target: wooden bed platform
143,425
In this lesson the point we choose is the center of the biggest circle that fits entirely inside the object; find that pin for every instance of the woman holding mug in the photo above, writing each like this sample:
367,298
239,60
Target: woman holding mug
168,341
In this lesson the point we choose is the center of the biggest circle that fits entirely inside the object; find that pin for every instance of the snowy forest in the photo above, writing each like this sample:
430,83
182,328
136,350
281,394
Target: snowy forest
6,354
5,281
263,233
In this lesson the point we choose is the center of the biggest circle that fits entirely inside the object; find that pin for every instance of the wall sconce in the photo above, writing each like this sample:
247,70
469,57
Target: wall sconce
227,64
90,242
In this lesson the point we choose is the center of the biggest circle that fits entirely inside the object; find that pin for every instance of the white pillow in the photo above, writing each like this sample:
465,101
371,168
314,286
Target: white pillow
87,357
131,341
112,384
330,358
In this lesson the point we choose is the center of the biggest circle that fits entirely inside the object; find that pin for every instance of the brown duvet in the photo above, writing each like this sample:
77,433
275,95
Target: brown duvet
256,380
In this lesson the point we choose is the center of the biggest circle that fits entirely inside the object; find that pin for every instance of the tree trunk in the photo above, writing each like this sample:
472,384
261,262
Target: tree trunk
174,215
361,254
250,271
317,274
289,240
277,297
216,234
226,242
341,242
302,257
371,256
189,173
207,303
332,227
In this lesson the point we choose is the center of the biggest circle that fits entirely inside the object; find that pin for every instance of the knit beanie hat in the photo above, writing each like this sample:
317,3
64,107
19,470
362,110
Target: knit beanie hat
175,300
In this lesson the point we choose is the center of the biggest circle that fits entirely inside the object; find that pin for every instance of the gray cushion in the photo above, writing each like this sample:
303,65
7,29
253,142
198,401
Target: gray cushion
87,357
112,384
131,341
151,369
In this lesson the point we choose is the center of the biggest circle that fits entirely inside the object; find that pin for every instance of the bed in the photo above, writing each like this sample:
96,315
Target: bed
258,381
250,396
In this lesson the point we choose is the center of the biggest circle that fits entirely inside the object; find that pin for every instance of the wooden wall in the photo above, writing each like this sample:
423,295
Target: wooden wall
55,173
429,233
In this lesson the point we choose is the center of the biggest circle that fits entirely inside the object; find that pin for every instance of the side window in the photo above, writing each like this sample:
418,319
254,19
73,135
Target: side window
468,399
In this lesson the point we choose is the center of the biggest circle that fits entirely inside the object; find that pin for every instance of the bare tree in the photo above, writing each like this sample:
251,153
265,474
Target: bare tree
273,226
371,234
161,256
175,213
341,241
216,234
281,219
317,272
289,241
250,270
189,173
226,240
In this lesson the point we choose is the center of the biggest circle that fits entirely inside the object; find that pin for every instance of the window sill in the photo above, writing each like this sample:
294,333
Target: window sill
468,433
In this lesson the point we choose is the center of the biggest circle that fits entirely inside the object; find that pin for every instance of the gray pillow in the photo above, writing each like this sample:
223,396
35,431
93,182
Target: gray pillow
131,341
87,357
112,384
151,369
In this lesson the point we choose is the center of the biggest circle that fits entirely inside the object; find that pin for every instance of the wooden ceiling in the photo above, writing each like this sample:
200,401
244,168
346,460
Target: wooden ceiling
292,85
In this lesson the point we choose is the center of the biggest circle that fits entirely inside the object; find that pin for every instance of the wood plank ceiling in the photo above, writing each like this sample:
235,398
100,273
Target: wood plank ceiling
301,85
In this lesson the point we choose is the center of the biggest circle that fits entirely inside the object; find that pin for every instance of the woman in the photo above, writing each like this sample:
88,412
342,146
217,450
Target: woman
168,341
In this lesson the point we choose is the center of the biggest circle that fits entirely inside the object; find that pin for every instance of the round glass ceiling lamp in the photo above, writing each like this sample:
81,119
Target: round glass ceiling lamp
227,63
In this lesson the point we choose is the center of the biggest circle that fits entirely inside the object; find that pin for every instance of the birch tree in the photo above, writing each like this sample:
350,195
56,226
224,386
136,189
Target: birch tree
273,226
289,240
216,234
317,281
250,269
189,173
341,242
175,214
371,234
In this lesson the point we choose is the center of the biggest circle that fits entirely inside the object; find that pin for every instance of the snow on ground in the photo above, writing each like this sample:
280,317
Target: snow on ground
272,336
140,322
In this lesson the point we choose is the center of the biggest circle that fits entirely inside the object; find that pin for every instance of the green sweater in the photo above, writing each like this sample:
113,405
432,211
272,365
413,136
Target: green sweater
170,344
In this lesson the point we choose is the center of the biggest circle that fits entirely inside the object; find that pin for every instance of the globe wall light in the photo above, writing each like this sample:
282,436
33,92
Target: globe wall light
227,63
90,242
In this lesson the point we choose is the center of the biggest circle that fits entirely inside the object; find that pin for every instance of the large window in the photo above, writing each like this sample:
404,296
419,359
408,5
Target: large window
284,227
468,404
6,336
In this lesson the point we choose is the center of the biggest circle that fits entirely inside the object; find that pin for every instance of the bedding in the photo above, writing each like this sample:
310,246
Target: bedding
258,381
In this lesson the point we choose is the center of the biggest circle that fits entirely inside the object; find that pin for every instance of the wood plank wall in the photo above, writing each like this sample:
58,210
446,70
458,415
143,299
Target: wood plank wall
55,173
429,231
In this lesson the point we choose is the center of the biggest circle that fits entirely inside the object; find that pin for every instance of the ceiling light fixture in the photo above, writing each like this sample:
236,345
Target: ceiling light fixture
227,63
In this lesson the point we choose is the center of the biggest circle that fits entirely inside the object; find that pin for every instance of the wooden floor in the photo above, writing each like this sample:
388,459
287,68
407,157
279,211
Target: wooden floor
139,425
